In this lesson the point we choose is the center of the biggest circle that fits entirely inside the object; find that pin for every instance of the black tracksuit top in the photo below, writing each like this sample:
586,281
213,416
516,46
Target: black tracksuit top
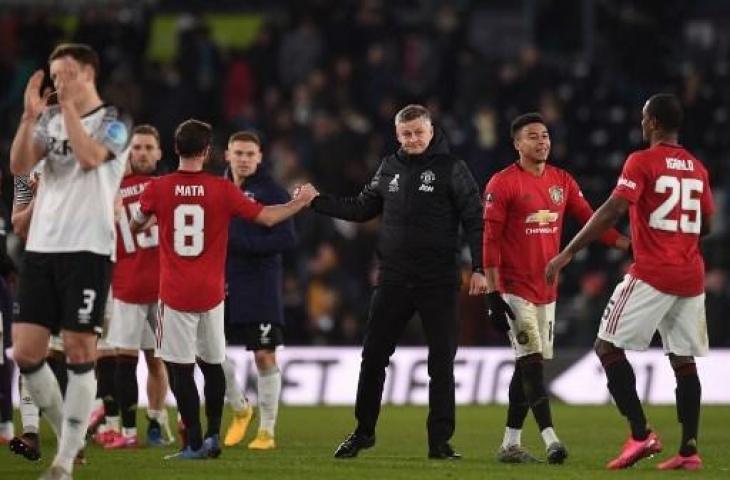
422,199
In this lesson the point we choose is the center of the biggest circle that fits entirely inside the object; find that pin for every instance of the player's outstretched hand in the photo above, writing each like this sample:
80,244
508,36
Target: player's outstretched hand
498,310
305,193
555,265
477,284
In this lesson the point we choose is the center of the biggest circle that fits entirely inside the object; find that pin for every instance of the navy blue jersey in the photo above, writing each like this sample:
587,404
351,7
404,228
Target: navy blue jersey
254,264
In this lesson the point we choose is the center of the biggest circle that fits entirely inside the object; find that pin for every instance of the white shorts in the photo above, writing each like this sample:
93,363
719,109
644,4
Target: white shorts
637,310
532,330
181,336
133,325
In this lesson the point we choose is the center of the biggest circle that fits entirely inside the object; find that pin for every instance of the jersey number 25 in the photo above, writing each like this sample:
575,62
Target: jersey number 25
681,191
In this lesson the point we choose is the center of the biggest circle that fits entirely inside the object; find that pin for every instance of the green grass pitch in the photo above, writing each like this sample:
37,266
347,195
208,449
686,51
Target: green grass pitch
307,437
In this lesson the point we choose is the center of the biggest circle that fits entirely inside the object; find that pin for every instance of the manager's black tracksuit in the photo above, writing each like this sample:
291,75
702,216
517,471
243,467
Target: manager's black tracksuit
423,199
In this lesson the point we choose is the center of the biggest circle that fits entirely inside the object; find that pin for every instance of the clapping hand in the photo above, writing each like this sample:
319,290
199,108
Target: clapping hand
33,101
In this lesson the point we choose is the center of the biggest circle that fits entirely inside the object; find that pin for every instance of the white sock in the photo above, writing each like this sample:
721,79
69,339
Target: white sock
7,429
129,432
80,393
233,390
512,436
549,436
154,414
46,394
111,423
28,411
269,389
164,421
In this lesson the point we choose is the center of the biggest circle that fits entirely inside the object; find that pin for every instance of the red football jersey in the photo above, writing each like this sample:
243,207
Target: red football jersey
523,222
136,274
669,192
193,211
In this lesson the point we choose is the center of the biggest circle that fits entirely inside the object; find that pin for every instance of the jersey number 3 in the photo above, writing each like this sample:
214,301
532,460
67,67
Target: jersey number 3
681,191
189,221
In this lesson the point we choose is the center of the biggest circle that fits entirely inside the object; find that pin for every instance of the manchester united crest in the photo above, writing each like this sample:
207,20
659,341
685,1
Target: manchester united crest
428,177
557,194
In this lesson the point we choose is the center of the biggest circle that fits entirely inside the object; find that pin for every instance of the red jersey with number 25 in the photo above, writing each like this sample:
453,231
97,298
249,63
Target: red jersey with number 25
669,192
193,210
136,274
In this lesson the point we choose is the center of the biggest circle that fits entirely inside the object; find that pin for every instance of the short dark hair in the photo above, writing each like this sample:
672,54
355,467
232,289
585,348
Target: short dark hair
147,129
667,110
245,136
80,52
192,137
412,112
525,119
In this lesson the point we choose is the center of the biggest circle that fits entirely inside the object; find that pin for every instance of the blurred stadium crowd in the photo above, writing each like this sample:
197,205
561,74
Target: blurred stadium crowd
322,79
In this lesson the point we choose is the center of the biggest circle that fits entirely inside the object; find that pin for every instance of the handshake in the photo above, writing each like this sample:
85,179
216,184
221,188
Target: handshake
304,194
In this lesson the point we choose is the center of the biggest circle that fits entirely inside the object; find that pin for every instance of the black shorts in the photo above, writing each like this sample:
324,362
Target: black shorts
257,336
64,291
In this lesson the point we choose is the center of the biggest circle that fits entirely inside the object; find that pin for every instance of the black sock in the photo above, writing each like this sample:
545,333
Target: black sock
622,385
126,389
57,362
188,401
535,392
106,390
215,390
518,406
689,393
6,401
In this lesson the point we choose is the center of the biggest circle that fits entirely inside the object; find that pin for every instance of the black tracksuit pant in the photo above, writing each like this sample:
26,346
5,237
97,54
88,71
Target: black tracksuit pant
391,308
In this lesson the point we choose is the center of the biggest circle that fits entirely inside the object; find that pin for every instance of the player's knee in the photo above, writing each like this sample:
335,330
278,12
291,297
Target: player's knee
155,367
27,359
265,360
607,352
682,364
79,347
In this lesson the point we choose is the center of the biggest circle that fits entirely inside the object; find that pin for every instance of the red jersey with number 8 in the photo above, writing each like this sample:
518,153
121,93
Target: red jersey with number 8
669,192
193,210
136,274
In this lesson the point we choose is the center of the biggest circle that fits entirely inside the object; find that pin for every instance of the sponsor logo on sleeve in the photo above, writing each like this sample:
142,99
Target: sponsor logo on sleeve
625,182
116,133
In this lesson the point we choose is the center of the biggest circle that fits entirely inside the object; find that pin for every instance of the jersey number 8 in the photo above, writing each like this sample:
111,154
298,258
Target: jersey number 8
189,221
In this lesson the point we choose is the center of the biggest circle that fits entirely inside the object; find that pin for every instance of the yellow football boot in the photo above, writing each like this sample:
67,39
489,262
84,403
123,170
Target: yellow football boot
237,429
263,441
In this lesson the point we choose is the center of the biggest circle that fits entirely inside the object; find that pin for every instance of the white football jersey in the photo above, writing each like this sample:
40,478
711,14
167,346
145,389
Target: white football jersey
74,209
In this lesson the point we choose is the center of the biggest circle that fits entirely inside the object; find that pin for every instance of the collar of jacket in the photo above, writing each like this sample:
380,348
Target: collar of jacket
251,179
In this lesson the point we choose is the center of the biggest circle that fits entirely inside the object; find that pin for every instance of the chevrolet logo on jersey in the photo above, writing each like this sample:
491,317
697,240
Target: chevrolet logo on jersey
542,217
